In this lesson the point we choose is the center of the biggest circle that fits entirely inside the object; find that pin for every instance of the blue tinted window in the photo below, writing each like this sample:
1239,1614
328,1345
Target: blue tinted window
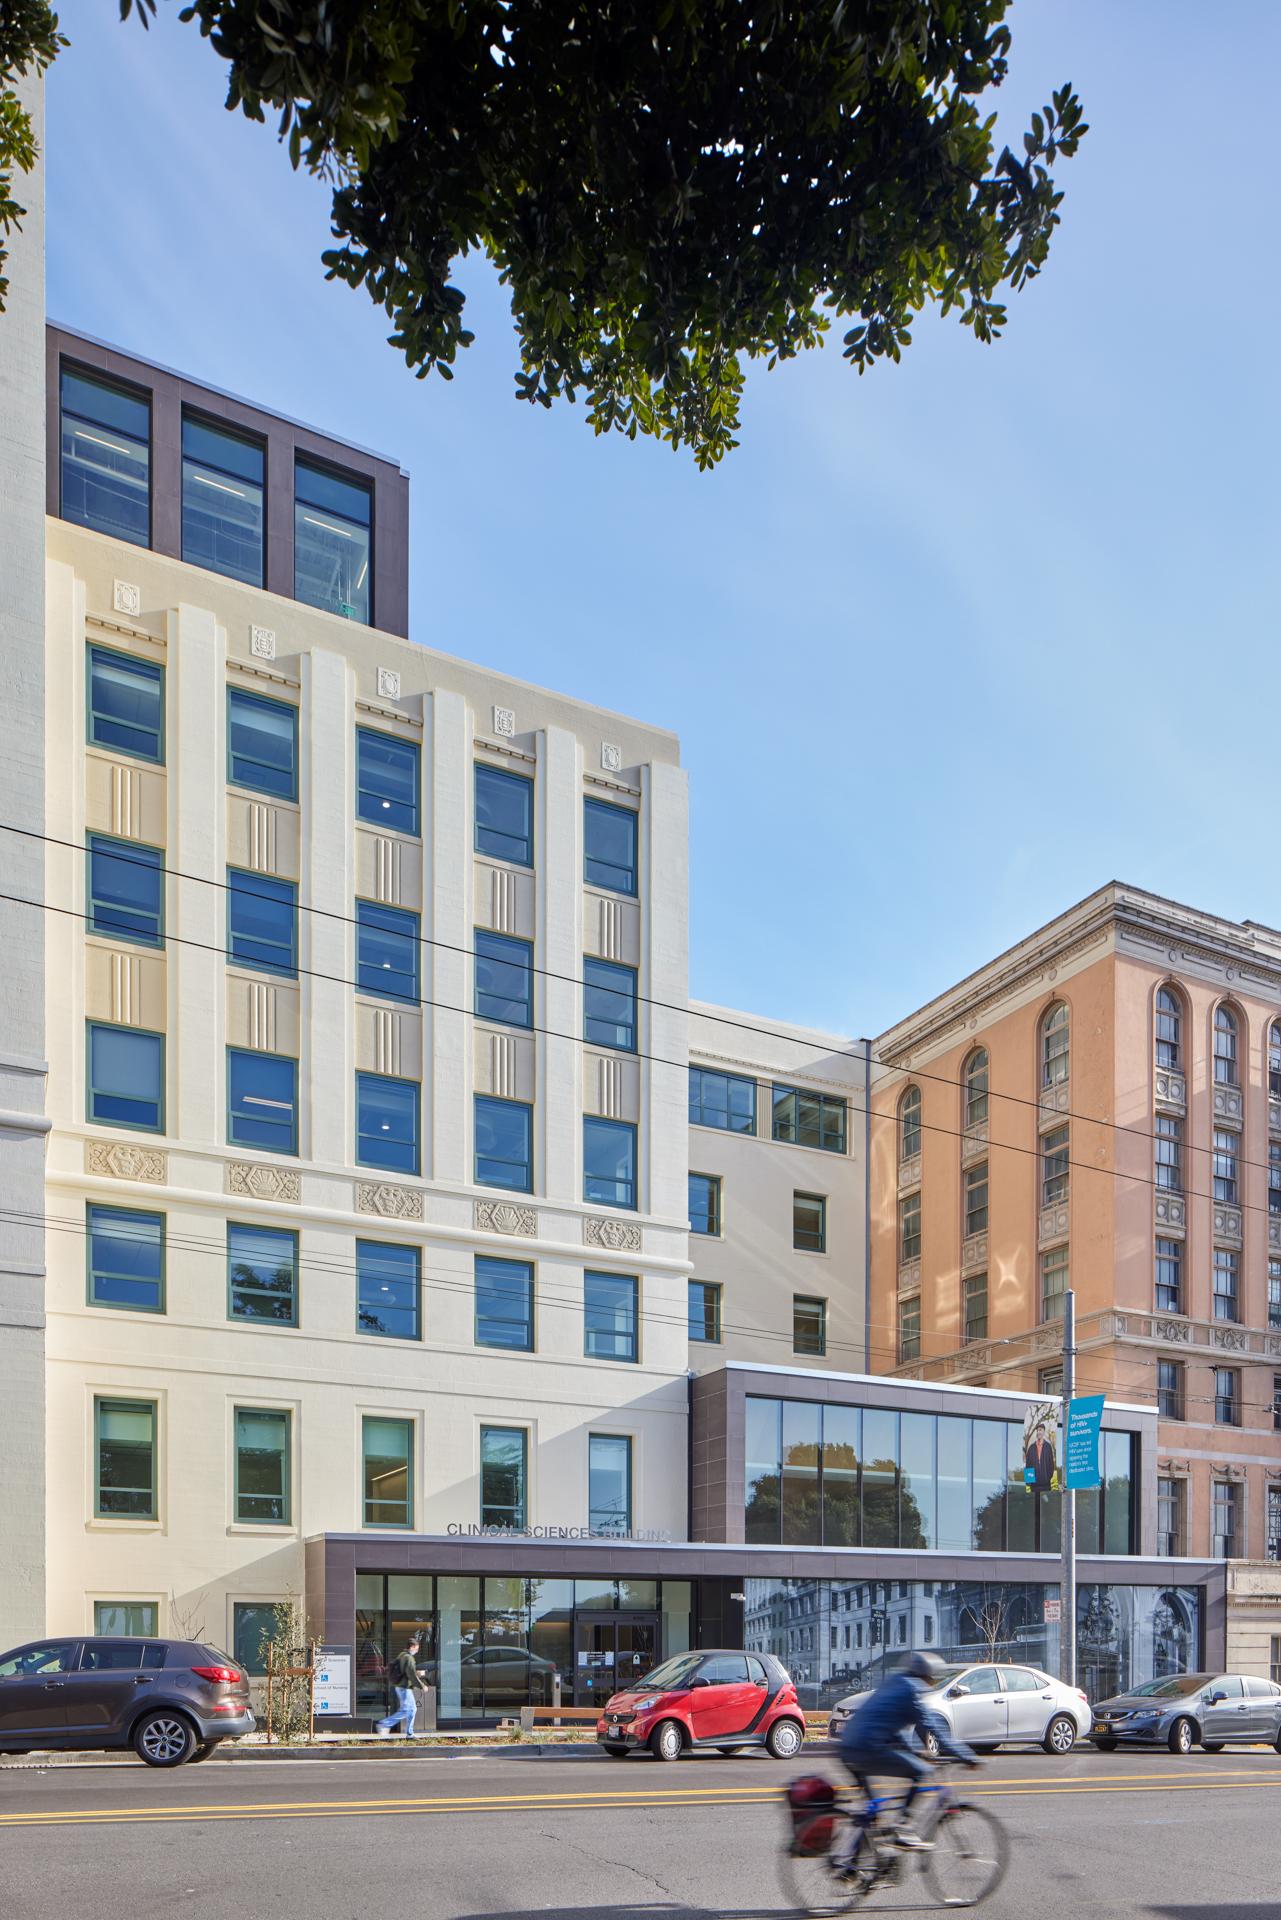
809,1119
609,846
387,1122
262,1100
262,1275
609,1005
262,744
126,1077
331,542
126,890
222,515
106,458
386,781
126,704
504,979
126,1259
609,1162
388,1290
610,1316
505,815
262,922
386,951
504,1304
504,1144
721,1100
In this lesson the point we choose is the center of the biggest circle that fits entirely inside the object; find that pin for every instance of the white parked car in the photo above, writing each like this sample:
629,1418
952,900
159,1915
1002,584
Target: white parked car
989,1707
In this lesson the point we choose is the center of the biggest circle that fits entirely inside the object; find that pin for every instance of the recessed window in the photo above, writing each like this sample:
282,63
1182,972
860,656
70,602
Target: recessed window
504,1304
909,1329
1169,1389
1169,1275
387,1466
504,1475
705,1312
974,1199
1169,1029
262,1466
333,515
504,815
1274,1060
809,1324
609,1005
1274,1294
262,922
809,1222
262,744
262,1100
1169,1517
126,705
1223,1520
262,1274
1054,1282
125,1453
387,781
1225,1166
1054,1046
609,1483
974,1089
504,1144
1226,1069
126,1077
704,1203
974,1307
609,846
721,1100
1274,1176
809,1119
387,951
609,1162
126,891
388,1290
222,516
909,1124
106,457
1227,1397
1169,1153
611,1316
909,1228
387,1122
504,979
126,1259
1055,1166
1227,1283
126,1619
254,1624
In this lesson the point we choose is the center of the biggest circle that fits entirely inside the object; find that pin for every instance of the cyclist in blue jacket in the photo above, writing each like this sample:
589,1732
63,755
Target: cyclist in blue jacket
874,1740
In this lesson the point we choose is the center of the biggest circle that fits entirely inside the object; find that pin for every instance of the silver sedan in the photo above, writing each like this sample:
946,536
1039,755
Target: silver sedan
993,1706
1184,1710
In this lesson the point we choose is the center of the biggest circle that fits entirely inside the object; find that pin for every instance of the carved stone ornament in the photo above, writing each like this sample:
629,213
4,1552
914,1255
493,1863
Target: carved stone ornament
1172,1330
505,722
504,1216
392,1202
619,1236
126,598
389,683
263,1182
611,757
262,642
123,1162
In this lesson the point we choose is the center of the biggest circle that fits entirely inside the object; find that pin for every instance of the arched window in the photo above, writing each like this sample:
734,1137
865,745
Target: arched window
1274,1059
974,1088
909,1124
1054,1045
1226,1070
1169,1028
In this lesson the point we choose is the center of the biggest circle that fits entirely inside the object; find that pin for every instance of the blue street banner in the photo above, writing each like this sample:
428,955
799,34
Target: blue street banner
1081,1444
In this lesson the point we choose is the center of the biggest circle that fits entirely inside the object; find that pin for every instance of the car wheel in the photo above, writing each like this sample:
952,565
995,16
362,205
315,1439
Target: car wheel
666,1741
164,1739
615,1753
205,1751
783,1741
1060,1735
1213,1746
1105,1746
1277,1742
930,1746
1182,1738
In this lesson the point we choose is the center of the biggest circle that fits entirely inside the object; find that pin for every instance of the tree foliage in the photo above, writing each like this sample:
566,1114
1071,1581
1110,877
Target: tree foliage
29,43
668,188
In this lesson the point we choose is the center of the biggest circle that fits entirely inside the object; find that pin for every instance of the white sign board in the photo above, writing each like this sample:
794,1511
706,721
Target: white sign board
333,1682
1053,1613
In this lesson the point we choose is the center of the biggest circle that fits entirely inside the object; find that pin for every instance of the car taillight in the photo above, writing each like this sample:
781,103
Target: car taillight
1082,1695
220,1676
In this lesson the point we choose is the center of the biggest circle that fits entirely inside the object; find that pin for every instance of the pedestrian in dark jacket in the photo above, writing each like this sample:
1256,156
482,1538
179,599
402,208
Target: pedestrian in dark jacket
874,1740
405,1677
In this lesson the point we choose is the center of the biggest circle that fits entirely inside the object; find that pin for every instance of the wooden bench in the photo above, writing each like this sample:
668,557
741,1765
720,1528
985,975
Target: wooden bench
531,1717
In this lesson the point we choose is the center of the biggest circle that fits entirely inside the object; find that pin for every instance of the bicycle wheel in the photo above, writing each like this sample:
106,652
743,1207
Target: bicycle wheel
812,1884
971,1853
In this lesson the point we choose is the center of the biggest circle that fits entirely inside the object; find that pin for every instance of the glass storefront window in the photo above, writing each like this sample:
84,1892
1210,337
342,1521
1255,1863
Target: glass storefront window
641,1596
457,1636
801,1519
1020,1499
917,1494
678,1603
595,1593
880,1478
764,1424
841,1427
955,1503
1118,1528
989,1485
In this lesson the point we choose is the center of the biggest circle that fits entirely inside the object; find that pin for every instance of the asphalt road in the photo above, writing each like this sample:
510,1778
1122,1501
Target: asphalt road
580,1837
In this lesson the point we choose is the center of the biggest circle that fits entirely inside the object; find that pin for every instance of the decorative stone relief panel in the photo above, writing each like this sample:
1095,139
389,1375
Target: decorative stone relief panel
1171,1211
261,820
909,1173
122,1162
125,984
262,642
1228,1105
1274,1236
504,900
262,1182
1227,1224
1053,1224
505,723
126,597
1054,1100
388,683
389,1201
388,858
1274,1114
1178,1331
974,1253
126,798
504,1216
1171,1089
611,757
618,1236
974,1143
1230,1339
909,1276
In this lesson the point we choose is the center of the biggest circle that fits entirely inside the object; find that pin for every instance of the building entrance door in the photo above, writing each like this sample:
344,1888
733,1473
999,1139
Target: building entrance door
611,1653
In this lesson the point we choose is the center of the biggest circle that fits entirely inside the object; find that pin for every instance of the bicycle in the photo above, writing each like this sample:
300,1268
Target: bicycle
965,1863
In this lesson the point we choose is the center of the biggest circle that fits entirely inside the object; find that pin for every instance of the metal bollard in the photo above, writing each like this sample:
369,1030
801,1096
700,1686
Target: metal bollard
427,1709
527,1719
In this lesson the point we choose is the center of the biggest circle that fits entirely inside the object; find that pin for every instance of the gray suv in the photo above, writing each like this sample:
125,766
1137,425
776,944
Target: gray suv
1184,1710
170,1700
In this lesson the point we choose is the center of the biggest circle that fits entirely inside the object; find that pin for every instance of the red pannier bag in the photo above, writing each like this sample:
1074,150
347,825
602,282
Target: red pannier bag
811,1802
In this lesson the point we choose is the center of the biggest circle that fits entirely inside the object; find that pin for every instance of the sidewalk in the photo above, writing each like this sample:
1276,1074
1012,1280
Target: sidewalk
337,1746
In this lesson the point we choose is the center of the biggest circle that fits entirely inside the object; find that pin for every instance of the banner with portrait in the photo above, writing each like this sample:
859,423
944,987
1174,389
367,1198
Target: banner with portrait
1042,1446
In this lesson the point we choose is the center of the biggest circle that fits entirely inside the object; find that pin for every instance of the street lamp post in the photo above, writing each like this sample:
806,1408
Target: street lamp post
1067,1578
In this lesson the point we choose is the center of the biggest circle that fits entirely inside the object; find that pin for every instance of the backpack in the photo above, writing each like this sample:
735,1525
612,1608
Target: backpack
811,1802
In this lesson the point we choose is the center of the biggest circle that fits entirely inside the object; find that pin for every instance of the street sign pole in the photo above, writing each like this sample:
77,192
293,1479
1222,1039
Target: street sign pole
1067,1580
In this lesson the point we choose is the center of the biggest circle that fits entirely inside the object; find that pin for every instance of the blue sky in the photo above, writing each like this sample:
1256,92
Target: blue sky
947,647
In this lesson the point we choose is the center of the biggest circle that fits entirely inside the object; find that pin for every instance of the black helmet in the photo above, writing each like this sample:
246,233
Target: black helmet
927,1667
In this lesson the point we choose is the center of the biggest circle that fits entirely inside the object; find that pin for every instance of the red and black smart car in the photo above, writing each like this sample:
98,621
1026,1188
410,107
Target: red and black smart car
706,1699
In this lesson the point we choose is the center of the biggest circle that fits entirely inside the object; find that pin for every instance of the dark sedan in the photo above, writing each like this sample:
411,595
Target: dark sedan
170,1700
1185,1710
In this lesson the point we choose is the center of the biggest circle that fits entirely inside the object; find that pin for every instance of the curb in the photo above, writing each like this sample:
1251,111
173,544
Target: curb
378,1750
